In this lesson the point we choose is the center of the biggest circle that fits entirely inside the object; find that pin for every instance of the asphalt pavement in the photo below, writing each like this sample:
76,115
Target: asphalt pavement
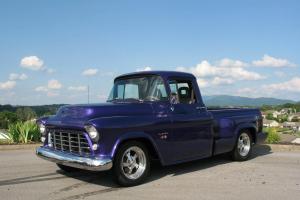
269,174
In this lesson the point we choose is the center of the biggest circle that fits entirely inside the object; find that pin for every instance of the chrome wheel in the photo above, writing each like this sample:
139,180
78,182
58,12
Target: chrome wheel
244,144
133,163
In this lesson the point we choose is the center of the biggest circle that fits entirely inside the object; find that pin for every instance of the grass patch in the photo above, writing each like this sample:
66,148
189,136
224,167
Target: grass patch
23,132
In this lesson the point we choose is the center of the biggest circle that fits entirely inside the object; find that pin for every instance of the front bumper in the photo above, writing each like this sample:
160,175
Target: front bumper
260,137
92,164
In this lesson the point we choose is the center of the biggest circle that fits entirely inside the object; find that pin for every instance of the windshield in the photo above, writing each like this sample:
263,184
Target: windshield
146,88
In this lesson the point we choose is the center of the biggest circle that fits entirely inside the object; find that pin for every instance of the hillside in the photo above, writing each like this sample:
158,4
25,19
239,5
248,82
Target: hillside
226,100
39,110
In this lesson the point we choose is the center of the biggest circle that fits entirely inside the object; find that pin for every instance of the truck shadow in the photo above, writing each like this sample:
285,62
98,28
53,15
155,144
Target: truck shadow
189,167
158,172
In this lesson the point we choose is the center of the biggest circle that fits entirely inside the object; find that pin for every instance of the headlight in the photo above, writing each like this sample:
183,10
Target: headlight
92,131
42,129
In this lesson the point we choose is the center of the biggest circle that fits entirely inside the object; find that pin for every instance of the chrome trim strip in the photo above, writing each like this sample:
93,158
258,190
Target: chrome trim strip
92,164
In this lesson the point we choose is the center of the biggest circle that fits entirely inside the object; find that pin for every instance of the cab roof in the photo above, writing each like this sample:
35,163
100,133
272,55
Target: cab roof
164,74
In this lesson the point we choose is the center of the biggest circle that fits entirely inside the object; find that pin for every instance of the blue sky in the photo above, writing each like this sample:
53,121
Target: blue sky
51,50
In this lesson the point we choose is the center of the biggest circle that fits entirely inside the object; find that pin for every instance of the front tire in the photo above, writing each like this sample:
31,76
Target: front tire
131,164
243,147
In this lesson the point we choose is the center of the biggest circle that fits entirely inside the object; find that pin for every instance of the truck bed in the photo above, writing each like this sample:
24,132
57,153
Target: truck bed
226,122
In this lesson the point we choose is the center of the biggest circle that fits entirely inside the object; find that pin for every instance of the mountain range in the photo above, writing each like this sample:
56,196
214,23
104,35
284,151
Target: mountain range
228,101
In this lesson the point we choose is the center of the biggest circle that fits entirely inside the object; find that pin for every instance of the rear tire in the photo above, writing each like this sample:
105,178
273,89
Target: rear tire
67,168
243,147
131,164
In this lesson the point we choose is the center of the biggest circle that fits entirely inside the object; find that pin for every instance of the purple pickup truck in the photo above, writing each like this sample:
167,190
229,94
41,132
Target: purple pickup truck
148,115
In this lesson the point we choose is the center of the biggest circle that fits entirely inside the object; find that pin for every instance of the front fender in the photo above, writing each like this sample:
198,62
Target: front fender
135,136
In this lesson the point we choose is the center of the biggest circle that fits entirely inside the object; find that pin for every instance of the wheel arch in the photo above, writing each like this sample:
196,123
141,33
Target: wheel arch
140,137
251,128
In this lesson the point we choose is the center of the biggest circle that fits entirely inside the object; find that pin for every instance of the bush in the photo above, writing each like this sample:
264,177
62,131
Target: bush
23,132
7,118
272,136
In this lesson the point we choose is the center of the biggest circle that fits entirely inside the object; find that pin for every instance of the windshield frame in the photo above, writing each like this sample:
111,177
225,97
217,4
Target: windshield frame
167,98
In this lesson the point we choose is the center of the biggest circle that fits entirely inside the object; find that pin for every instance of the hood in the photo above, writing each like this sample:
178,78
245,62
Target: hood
79,114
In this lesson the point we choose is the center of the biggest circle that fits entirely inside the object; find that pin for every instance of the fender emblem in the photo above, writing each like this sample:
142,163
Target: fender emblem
163,135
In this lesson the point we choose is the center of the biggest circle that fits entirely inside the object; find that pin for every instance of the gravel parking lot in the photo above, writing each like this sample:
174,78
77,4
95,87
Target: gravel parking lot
270,174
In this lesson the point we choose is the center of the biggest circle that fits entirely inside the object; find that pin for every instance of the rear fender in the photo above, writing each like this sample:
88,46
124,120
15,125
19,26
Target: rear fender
240,127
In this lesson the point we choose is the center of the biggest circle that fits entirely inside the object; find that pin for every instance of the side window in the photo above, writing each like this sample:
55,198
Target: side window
162,93
182,92
156,90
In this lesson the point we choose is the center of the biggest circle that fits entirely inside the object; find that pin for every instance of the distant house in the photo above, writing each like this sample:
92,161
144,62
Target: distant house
287,111
294,116
270,123
276,114
292,125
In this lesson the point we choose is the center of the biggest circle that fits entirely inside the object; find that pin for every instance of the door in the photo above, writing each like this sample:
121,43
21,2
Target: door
191,133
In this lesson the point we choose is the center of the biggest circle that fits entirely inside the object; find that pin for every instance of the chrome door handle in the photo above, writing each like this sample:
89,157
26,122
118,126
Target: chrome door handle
172,108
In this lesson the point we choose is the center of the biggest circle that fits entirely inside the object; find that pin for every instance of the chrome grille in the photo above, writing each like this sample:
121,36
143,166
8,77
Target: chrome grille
69,141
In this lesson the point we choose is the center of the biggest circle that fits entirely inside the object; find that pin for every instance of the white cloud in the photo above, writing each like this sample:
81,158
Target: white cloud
77,88
23,77
226,62
7,85
284,90
202,83
54,84
90,72
144,69
32,63
41,89
291,86
241,74
221,81
14,76
206,70
269,61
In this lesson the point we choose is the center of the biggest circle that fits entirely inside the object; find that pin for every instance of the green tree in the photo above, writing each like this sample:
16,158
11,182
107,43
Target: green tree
266,108
282,118
25,114
7,118
269,116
